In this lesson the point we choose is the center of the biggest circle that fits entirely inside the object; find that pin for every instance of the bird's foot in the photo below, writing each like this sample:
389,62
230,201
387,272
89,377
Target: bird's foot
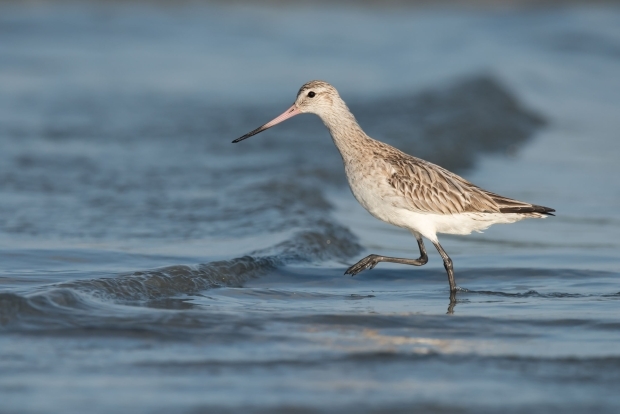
367,262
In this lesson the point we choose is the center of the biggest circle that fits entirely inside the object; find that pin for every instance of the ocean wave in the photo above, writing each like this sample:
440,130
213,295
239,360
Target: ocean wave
43,308
327,241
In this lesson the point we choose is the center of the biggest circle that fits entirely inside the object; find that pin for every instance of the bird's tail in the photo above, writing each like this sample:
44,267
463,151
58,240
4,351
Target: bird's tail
532,208
509,205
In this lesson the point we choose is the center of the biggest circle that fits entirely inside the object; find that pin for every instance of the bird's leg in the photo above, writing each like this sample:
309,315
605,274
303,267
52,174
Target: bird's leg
447,263
371,261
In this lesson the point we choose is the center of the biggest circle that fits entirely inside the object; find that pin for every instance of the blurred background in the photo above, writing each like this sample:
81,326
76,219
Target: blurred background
149,265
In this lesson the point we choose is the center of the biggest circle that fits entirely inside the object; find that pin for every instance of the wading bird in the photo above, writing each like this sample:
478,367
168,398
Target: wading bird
400,189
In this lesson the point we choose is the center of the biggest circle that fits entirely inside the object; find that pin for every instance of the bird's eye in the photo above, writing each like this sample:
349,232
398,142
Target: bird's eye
311,94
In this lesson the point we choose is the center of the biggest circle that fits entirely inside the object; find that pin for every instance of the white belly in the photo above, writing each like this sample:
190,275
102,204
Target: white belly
378,199
427,224
464,223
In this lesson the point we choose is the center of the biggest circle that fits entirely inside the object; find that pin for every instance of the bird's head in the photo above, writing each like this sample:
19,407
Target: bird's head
315,97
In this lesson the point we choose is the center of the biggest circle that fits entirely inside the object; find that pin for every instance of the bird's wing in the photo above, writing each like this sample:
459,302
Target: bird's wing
425,187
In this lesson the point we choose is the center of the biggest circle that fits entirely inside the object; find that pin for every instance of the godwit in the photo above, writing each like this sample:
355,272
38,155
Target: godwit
402,190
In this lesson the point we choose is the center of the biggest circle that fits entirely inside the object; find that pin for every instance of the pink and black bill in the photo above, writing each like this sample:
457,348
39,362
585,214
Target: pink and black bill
289,113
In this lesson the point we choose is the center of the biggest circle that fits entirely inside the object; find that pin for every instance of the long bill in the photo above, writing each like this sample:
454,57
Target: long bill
289,113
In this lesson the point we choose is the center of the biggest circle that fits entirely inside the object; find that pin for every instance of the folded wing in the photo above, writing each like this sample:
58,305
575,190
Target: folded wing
428,188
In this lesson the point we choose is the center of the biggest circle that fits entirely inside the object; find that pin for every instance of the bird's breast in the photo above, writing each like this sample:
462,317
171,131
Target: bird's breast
370,188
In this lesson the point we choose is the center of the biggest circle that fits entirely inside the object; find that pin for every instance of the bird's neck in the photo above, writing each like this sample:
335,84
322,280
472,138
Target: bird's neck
345,131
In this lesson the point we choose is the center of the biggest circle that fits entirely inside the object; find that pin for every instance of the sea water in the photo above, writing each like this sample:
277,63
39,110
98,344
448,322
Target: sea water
149,265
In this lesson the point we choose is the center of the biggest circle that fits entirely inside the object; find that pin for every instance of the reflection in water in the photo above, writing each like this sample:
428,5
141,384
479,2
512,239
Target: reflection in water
452,303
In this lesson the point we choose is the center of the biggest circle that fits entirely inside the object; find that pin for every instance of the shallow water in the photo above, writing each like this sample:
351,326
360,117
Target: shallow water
148,265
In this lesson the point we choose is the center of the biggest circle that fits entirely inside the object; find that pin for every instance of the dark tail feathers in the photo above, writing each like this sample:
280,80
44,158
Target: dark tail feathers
528,209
